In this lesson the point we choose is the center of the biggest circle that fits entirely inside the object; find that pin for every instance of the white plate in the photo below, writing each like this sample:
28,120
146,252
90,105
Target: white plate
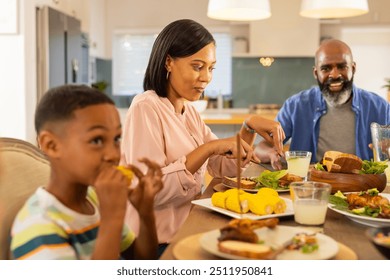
206,202
364,220
256,190
328,247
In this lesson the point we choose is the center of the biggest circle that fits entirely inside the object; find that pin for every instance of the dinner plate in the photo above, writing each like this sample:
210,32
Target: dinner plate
206,202
327,246
279,190
364,220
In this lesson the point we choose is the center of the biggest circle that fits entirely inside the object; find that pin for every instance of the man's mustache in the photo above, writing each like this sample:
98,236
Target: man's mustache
331,81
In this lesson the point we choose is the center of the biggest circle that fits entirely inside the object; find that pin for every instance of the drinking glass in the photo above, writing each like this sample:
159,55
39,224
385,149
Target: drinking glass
380,135
310,201
298,163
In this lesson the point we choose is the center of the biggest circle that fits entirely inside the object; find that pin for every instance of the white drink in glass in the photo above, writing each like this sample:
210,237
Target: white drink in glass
310,211
298,166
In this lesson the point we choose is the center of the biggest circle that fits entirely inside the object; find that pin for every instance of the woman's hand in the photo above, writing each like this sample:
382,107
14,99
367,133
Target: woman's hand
270,130
228,147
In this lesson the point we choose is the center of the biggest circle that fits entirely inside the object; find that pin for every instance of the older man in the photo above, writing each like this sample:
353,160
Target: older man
335,115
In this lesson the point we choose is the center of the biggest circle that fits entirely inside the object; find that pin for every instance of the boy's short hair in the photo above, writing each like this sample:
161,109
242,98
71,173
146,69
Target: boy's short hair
59,103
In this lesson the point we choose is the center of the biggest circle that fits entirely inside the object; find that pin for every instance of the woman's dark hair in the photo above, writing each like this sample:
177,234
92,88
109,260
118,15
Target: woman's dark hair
180,38
59,103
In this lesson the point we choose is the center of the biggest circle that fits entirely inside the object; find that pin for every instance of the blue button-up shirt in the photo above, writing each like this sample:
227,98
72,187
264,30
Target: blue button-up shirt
300,115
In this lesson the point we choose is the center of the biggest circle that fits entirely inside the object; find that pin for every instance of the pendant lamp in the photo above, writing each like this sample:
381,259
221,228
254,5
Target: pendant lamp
238,10
333,8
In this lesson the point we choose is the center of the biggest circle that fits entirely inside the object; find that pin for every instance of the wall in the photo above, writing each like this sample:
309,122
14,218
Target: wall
127,14
254,83
18,74
282,35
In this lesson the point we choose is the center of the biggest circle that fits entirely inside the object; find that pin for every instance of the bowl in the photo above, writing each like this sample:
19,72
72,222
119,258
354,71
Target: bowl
382,245
349,182
200,105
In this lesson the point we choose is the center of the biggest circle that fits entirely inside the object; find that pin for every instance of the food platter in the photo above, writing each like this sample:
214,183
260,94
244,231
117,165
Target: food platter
328,247
279,190
364,220
206,202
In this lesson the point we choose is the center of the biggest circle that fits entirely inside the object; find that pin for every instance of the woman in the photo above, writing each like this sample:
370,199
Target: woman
160,125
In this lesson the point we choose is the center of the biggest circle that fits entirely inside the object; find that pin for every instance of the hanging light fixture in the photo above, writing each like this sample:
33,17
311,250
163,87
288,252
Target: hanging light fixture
333,8
238,10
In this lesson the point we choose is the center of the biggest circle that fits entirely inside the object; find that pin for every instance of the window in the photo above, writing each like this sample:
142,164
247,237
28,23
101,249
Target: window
131,51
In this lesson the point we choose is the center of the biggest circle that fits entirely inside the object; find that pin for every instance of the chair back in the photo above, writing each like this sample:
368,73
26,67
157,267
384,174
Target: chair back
23,168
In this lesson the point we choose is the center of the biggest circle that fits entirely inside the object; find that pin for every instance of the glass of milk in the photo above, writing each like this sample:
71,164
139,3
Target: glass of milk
310,202
298,163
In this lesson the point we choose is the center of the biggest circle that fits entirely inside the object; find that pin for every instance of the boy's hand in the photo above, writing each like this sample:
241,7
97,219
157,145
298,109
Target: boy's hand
112,189
142,196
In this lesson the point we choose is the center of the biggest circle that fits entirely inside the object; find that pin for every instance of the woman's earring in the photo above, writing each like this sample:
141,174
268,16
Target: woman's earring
167,75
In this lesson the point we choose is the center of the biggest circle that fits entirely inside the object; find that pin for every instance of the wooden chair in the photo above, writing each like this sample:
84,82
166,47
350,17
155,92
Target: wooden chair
23,168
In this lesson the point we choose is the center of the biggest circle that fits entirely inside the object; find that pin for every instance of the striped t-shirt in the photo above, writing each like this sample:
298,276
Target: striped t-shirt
46,229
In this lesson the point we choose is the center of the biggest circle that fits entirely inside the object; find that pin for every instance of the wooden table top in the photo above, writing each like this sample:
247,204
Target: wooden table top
337,226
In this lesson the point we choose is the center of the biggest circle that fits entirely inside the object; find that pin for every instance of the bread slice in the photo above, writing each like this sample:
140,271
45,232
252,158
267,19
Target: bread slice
245,184
329,157
245,249
338,162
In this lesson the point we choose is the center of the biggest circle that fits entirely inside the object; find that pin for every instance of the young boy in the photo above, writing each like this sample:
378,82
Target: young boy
79,130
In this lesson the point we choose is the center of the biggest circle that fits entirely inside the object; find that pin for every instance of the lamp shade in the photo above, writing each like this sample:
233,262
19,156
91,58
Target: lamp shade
333,8
239,10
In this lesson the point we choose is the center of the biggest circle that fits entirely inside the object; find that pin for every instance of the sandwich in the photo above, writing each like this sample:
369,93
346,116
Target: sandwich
246,183
238,238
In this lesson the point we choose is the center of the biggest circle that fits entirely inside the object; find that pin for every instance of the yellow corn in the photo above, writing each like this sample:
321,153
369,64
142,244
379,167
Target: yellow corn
260,206
267,192
234,199
126,172
218,199
279,204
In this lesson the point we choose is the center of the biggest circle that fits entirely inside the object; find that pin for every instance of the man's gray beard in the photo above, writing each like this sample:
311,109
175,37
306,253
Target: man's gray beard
335,99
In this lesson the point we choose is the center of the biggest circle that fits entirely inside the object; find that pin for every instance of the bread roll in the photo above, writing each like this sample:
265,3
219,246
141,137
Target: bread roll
245,249
338,162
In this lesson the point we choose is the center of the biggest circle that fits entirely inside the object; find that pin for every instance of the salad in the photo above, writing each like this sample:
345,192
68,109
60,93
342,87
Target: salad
366,203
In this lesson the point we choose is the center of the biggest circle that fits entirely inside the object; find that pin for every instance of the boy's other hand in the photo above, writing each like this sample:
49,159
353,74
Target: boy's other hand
142,196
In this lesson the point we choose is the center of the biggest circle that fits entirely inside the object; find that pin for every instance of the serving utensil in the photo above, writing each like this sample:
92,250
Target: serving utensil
238,137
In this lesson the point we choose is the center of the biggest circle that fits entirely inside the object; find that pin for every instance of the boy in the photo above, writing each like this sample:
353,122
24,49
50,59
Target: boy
79,130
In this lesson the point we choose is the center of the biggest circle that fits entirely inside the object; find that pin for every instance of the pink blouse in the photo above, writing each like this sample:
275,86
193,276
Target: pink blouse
153,130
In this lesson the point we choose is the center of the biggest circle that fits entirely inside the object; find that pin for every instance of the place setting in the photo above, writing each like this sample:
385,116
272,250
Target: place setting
255,232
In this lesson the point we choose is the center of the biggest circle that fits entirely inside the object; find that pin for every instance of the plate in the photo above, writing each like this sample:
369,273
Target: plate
328,247
256,190
364,220
206,202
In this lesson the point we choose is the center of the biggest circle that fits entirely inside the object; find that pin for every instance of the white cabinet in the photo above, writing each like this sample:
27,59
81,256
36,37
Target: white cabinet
285,33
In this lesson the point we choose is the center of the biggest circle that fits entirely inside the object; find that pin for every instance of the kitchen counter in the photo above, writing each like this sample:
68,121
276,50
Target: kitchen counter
231,117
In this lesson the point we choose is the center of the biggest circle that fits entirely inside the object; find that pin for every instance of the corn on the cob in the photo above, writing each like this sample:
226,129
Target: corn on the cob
126,172
260,206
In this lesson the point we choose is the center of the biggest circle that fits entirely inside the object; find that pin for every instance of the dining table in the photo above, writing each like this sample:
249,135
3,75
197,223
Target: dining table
350,235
